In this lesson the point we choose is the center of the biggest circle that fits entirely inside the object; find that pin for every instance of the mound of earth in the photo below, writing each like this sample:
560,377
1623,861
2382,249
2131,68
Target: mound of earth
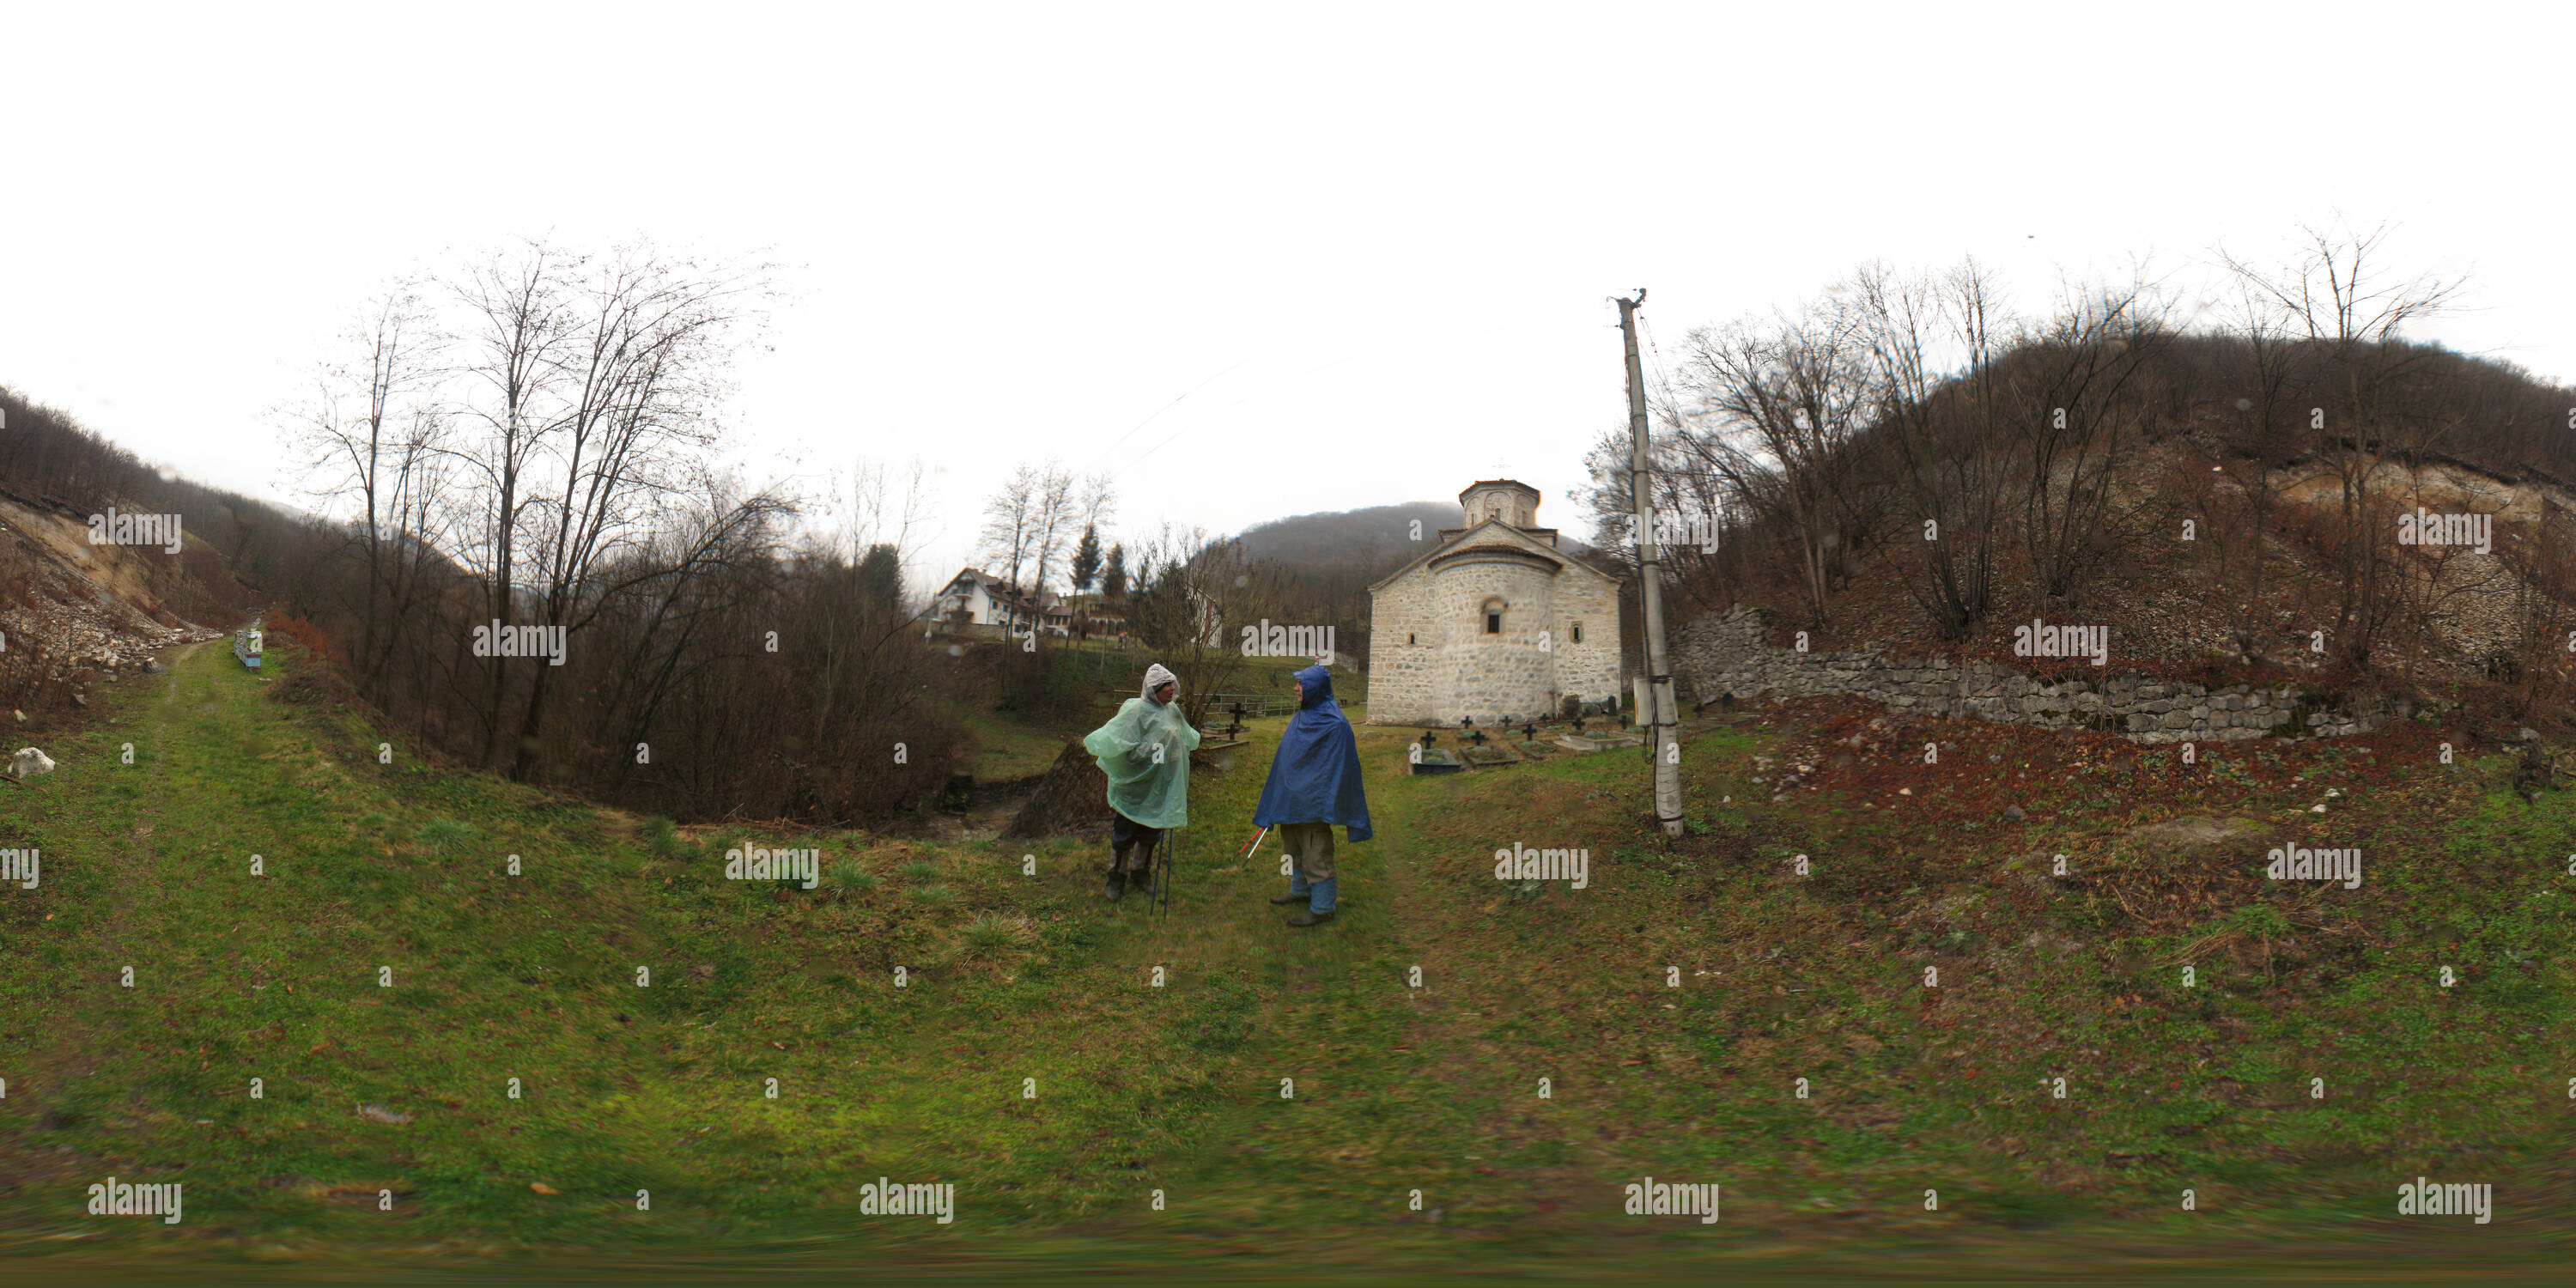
1073,793
2190,834
2179,872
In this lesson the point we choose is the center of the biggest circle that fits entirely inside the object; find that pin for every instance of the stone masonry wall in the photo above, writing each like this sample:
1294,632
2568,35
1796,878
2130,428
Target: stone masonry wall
1591,670
1728,653
1402,675
1453,669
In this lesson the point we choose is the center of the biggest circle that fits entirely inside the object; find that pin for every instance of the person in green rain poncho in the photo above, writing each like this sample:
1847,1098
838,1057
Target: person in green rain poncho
1145,751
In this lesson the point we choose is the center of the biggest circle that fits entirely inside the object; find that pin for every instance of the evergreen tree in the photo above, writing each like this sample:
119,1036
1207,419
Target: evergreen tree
1113,575
1086,559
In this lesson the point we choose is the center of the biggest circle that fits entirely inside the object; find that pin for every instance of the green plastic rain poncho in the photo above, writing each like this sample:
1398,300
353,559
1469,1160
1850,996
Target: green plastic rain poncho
1154,792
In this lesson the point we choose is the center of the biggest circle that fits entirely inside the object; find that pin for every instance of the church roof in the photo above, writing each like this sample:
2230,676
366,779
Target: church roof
1492,534
1462,492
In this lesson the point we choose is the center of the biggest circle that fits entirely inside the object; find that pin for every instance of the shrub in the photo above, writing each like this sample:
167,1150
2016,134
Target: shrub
2260,920
661,836
988,933
307,636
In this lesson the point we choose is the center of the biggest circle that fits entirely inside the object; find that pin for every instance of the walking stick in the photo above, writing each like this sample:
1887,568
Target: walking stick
1163,874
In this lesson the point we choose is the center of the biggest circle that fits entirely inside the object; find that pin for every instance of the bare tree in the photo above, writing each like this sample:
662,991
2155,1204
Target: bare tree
1933,345
1694,558
575,416
1788,399
518,331
1099,501
2072,395
1010,523
374,433
2337,293
2543,595
655,340
1051,522
887,508
1098,504
592,385
1192,594
2261,432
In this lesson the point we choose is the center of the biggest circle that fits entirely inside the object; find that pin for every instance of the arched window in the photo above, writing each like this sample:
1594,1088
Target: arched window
1493,614
1578,632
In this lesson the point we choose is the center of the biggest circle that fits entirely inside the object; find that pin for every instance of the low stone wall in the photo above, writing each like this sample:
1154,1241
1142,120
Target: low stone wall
1730,653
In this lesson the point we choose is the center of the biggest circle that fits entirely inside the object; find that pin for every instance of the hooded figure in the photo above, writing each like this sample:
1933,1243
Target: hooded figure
1145,752
1314,783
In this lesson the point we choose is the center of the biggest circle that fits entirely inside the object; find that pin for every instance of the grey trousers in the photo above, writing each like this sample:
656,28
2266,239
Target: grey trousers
1311,845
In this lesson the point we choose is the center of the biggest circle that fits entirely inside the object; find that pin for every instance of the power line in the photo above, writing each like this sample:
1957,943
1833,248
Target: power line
1267,350
1655,351
1167,441
1158,412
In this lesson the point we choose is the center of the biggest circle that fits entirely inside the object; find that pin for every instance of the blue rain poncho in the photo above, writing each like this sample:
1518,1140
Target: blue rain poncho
1315,778
1154,793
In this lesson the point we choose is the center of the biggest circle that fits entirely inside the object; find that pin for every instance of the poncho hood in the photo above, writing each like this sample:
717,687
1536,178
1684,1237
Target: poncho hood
1315,689
1156,676
1315,777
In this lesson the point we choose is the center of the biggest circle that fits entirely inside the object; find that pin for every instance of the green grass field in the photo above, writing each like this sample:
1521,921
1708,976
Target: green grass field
1287,1093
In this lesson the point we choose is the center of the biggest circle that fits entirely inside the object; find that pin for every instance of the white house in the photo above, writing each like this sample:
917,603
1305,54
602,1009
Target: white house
987,600
984,598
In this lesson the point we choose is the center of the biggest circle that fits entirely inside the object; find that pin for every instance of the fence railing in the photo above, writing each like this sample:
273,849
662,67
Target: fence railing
1254,704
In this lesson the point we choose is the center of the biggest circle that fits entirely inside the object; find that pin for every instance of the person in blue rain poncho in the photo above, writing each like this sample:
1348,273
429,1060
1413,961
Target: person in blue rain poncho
1314,783
1145,751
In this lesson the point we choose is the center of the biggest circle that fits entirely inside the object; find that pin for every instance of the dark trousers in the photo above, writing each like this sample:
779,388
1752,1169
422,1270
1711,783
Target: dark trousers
1131,845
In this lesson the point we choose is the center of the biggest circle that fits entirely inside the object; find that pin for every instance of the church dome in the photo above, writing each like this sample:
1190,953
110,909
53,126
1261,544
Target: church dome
1509,500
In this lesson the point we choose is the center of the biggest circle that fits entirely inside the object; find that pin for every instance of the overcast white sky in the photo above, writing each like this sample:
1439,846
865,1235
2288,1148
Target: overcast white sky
1371,244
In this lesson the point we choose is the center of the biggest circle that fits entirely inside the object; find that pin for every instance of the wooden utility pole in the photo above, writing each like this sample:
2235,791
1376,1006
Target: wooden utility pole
1663,718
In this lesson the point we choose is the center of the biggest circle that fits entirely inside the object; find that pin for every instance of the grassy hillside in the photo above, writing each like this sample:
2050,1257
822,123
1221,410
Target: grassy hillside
1088,681
1011,977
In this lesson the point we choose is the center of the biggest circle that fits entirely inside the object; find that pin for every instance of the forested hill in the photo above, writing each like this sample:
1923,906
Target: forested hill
1380,537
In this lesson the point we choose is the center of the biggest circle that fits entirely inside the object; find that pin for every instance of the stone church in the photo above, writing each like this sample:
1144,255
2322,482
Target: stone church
1492,622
